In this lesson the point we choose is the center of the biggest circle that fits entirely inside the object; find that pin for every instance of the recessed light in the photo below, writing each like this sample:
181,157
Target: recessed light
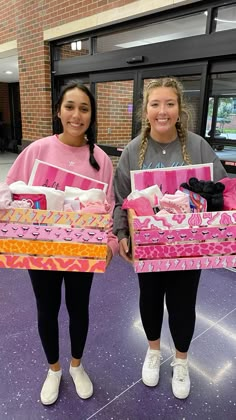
8,72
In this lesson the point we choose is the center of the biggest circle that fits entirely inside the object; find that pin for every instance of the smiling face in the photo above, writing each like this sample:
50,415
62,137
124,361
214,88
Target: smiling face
75,114
162,112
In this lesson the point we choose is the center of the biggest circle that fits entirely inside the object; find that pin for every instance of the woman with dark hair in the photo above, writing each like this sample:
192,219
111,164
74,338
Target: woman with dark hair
73,149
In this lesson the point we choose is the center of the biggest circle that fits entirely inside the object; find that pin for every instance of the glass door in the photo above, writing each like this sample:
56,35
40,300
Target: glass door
114,98
193,81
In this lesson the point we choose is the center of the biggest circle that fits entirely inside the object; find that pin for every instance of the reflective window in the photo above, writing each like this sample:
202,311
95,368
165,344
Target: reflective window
150,34
191,90
114,113
226,18
221,116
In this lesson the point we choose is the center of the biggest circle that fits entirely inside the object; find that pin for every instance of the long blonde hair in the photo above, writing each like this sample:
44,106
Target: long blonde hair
181,124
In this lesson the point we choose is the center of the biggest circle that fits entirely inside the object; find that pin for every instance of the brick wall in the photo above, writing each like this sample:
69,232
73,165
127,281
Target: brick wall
7,21
67,52
25,20
193,105
114,112
34,70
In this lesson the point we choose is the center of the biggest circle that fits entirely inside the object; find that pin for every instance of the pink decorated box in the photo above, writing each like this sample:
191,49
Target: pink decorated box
180,241
183,241
53,240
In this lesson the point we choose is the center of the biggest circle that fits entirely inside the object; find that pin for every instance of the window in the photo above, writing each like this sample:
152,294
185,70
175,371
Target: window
75,48
221,116
226,18
156,32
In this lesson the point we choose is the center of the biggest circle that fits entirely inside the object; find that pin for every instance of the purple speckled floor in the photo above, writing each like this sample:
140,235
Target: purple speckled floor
114,354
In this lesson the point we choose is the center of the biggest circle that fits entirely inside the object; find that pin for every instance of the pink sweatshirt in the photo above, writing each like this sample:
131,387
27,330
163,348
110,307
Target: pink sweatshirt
75,159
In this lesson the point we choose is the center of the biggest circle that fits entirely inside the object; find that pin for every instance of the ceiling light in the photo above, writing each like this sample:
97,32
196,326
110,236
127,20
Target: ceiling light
225,20
79,45
8,72
76,46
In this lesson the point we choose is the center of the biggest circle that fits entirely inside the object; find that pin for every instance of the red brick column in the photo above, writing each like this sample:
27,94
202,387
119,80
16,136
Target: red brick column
34,71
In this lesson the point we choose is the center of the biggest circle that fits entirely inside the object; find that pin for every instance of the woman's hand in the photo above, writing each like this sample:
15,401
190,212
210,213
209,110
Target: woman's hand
109,255
124,250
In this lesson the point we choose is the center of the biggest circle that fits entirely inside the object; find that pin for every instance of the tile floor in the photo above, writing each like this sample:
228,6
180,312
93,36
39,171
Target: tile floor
115,350
114,353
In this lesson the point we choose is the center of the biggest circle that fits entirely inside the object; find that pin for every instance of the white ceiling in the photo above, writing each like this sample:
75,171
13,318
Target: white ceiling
9,63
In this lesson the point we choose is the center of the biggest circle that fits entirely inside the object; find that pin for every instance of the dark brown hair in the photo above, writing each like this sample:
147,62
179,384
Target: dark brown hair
90,133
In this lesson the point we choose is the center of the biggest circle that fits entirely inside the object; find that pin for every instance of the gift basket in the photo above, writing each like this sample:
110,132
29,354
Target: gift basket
35,237
182,235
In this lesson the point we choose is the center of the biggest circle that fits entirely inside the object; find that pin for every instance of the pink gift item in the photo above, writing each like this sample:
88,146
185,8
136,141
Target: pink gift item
55,198
36,201
5,196
94,207
141,206
175,203
229,193
197,203
153,193
85,196
72,205
21,204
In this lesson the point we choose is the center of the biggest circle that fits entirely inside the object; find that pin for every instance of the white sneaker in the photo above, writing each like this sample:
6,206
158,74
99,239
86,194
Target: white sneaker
50,389
151,368
180,379
83,384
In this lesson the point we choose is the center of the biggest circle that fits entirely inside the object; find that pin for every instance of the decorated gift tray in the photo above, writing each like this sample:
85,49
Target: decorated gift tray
183,241
53,240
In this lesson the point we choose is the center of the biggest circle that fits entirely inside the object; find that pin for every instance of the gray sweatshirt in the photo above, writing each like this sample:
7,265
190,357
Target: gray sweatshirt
198,148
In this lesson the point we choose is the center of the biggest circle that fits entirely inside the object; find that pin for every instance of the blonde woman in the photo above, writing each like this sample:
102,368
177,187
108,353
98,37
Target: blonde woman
164,141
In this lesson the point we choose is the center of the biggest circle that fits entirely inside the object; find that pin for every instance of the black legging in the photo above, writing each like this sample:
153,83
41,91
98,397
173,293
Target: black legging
47,289
180,291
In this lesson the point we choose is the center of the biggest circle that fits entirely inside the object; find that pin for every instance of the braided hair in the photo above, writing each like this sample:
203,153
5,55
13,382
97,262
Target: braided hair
181,124
90,132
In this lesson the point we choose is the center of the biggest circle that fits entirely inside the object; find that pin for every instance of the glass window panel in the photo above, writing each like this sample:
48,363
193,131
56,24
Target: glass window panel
226,18
222,103
191,90
223,84
153,33
114,113
77,48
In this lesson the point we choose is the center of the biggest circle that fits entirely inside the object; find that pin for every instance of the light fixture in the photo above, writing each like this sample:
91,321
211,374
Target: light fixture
79,45
225,20
76,45
8,72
